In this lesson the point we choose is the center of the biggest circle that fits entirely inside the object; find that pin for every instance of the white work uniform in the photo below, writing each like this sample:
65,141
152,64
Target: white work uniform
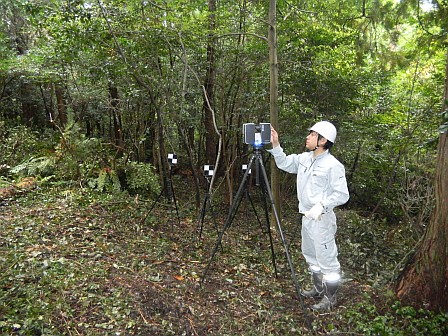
320,179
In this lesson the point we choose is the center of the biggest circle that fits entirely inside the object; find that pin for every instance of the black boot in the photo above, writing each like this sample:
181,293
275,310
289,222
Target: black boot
318,290
329,299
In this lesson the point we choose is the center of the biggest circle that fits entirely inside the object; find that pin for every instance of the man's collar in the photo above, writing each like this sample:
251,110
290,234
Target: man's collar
320,155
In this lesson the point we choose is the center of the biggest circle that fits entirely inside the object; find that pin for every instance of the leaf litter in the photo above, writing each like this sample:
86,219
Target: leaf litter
91,268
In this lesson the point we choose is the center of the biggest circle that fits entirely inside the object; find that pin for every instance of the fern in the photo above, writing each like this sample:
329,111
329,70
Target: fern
102,180
43,165
115,181
108,181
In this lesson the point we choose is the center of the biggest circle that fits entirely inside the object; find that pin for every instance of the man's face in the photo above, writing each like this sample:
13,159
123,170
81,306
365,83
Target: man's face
312,141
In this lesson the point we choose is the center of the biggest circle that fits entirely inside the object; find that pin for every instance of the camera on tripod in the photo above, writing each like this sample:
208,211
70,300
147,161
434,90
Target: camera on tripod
257,135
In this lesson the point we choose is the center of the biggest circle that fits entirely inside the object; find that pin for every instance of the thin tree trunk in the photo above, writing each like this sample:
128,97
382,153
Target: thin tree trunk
116,116
28,108
273,66
61,104
209,85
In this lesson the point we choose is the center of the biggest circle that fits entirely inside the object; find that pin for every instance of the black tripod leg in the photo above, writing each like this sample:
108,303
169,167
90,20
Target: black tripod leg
255,210
202,214
268,227
237,200
282,237
213,215
232,212
175,203
152,206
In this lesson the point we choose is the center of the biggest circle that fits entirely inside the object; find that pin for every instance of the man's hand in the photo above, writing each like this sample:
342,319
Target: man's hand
274,138
315,212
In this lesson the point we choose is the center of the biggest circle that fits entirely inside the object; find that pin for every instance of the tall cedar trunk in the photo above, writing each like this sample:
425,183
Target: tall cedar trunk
209,84
424,280
273,65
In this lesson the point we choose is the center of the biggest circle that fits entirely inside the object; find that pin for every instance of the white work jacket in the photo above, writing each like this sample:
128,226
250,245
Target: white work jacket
320,179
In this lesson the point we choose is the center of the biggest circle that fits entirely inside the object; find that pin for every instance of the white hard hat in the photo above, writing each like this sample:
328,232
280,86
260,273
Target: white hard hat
326,129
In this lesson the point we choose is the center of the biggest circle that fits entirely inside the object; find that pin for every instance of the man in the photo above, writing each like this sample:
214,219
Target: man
321,186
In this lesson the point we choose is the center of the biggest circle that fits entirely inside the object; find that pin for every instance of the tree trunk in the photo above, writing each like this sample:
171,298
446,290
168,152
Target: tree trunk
61,104
163,156
424,280
116,117
273,66
28,107
209,85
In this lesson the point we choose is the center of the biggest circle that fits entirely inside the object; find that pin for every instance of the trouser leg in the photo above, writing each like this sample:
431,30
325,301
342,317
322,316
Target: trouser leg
318,243
319,249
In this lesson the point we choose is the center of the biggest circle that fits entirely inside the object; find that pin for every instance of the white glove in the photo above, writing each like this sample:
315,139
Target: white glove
315,212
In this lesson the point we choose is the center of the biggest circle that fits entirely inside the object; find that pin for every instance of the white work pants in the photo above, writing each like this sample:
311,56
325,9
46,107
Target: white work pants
318,243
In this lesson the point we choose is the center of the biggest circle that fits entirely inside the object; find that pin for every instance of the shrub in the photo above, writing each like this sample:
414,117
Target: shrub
17,143
140,178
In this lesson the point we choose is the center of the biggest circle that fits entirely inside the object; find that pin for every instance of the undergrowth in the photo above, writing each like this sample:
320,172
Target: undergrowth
79,262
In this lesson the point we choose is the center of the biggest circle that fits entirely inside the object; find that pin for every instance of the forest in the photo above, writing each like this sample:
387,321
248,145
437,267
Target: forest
125,208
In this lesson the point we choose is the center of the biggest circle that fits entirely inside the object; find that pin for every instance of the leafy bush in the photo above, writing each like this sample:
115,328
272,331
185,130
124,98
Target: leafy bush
17,143
89,162
78,157
369,248
140,178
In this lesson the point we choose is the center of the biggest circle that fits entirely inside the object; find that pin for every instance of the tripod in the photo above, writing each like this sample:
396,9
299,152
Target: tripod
168,190
265,205
258,159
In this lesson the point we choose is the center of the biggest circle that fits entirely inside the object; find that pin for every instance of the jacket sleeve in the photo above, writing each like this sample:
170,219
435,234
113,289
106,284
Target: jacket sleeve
338,191
288,163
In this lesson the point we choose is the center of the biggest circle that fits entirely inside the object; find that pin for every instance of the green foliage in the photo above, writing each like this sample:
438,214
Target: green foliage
135,177
18,144
375,69
400,320
39,166
444,127
371,249
106,181
77,158
141,179
65,161
351,63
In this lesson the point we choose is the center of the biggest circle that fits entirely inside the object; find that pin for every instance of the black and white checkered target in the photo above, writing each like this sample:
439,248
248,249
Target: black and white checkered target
172,159
244,168
209,170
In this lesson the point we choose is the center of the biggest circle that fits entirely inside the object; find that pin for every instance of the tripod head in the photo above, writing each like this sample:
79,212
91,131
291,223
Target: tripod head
257,148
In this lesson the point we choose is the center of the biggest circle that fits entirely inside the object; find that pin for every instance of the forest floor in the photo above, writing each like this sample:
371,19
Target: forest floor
77,263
